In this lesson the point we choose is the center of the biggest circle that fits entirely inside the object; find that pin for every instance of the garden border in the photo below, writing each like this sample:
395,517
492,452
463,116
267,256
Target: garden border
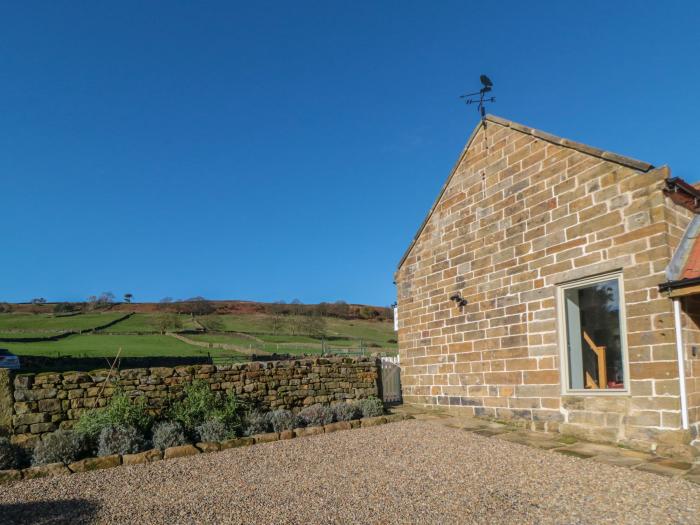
150,456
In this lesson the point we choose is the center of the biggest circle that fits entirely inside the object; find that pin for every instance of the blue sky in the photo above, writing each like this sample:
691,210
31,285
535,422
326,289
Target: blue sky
287,150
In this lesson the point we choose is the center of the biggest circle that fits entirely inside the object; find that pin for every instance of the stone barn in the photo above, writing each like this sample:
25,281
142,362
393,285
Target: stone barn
552,283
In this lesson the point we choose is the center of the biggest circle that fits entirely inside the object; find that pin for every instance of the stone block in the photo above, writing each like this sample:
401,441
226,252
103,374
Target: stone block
340,425
208,447
236,442
286,434
10,475
266,438
308,431
86,465
42,471
142,457
181,451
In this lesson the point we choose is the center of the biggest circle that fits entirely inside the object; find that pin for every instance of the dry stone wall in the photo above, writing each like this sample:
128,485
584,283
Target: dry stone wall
43,403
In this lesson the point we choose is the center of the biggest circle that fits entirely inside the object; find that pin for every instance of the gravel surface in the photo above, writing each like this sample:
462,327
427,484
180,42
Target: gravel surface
409,472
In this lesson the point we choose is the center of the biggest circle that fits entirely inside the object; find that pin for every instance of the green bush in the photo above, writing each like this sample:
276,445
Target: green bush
168,434
213,430
201,404
62,446
120,411
316,415
9,455
347,411
120,440
372,407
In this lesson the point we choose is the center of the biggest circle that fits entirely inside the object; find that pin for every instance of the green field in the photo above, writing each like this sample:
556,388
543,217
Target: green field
43,323
339,334
146,323
108,345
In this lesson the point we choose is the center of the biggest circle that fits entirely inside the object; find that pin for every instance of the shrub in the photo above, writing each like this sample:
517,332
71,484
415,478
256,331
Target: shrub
62,446
280,420
168,434
372,407
213,430
9,455
256,422
347,411
120,411
120,440
201,404
316,415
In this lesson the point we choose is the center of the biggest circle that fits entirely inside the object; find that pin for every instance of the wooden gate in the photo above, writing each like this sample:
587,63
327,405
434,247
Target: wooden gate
391,380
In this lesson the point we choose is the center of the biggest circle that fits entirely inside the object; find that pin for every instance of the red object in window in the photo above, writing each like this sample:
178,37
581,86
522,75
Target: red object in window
615,384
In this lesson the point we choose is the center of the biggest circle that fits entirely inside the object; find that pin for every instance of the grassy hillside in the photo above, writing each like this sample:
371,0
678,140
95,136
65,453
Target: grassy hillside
44,323
139,335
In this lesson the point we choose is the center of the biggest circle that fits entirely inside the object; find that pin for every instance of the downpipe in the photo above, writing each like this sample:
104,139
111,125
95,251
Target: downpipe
680,354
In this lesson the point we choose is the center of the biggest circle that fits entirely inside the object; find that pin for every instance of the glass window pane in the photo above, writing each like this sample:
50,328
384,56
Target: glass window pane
593,336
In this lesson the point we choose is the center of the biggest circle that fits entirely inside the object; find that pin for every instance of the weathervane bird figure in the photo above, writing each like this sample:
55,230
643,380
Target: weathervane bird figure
486,88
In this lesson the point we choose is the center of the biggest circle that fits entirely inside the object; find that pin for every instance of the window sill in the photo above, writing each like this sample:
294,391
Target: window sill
587,393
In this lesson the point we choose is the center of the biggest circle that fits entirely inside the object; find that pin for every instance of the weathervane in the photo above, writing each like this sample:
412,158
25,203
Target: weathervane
486,82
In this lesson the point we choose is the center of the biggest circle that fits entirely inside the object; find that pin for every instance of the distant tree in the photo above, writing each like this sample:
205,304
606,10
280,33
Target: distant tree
105,299
295,323
277,322
167,321
198,306
165,303
340,308
212,323
314,325
5,308
62,308
128,297
91,303
37,303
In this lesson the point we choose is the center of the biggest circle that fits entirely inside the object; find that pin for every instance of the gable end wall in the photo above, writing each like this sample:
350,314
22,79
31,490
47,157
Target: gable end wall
519,216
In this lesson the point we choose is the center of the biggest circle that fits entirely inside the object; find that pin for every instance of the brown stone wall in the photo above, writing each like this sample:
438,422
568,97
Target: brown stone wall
45,402
520,216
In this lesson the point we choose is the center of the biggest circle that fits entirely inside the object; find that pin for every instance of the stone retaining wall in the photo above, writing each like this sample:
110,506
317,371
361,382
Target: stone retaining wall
42,403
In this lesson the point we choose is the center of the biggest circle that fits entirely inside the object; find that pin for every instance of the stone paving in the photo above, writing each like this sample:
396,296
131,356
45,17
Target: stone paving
561,444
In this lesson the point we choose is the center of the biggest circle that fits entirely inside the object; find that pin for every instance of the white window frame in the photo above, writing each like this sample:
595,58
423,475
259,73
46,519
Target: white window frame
562,328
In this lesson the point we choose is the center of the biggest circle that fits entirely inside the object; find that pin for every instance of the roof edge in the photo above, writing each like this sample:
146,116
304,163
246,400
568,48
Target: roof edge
440,194
542,135
583,148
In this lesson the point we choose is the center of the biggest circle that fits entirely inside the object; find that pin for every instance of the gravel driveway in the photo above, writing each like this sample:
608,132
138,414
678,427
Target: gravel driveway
408,472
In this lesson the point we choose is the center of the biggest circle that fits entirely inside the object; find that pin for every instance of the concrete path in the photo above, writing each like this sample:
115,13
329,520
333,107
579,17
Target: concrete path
609,454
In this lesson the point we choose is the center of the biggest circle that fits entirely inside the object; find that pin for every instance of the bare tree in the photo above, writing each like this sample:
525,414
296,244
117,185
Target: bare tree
277,323
128,297
314,325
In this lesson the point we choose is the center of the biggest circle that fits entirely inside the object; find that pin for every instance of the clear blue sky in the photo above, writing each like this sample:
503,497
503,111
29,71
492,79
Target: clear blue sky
290,150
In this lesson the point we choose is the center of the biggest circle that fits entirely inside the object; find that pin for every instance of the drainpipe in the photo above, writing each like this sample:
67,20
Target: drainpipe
681,360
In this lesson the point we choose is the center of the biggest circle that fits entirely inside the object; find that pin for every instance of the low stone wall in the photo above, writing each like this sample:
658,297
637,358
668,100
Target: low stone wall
45,402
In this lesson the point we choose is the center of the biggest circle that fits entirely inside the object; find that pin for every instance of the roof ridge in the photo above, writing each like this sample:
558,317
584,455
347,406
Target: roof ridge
578,146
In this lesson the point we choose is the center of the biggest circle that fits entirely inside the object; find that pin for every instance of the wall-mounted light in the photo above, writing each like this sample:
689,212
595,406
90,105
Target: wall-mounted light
458,299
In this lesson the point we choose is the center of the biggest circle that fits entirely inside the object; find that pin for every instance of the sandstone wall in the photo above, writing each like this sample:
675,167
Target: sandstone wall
521,215
44,402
